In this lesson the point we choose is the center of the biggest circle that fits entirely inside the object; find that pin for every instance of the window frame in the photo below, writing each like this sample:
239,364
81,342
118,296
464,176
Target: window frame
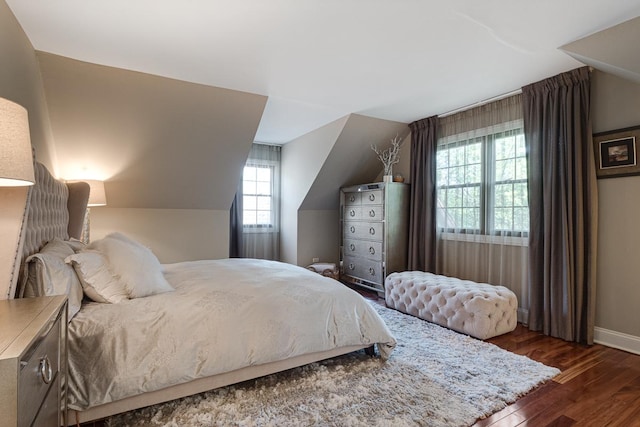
488,183
459,143
272,166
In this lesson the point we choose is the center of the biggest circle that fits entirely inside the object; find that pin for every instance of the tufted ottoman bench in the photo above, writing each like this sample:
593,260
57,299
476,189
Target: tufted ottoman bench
477,309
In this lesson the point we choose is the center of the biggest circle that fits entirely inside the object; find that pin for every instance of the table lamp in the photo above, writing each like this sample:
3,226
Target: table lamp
16,159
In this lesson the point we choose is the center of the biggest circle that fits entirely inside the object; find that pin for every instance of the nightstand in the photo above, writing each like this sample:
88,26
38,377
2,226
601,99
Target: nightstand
33,364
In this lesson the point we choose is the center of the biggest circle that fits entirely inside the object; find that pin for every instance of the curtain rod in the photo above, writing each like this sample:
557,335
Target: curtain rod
479,103
273,144
486,101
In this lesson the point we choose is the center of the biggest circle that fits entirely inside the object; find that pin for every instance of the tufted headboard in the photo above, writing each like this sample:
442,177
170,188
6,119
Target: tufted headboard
55,209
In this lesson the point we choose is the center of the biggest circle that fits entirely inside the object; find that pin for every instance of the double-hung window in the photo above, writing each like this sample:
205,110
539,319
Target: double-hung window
258,202
481,182
261,190
257,195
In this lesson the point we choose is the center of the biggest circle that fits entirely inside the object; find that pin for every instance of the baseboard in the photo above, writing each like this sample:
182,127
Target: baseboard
607,337
617,340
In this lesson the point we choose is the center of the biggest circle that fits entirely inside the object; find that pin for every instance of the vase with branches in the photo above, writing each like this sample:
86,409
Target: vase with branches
390,156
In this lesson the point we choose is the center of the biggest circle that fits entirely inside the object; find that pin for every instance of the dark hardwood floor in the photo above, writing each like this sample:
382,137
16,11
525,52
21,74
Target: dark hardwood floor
599,386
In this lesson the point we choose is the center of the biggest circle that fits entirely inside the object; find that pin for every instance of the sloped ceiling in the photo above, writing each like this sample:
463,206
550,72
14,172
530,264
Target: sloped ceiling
615,50
351,160
157,142
319,60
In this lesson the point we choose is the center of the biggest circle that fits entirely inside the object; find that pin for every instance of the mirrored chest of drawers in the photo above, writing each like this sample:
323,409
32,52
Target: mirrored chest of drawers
374,232
33,361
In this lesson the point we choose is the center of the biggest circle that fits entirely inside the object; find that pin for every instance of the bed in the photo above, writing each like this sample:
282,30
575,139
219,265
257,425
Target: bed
137,339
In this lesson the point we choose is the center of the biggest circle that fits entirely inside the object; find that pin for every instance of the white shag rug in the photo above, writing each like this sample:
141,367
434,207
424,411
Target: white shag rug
434,377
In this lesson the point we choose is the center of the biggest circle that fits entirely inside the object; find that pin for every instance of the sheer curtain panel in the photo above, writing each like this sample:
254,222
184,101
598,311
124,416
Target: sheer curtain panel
564,206
255,212
261,203
482,213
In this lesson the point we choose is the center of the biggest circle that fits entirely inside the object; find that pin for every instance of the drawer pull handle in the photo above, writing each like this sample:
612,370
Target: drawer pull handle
372,213
372,197
372,250
372,271
352,247
351,266
352,212
352,198
45,370
372,231
352,229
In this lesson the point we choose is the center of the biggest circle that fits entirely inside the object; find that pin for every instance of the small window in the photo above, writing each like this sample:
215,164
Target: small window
257,191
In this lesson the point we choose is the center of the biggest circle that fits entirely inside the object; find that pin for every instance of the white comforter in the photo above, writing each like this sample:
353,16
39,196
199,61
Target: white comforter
223,315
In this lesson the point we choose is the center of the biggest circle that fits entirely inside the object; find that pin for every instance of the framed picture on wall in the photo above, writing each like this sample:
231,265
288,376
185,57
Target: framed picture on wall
616,153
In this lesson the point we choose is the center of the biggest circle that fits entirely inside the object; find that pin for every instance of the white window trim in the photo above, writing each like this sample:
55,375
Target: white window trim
485,238
271,228
473,134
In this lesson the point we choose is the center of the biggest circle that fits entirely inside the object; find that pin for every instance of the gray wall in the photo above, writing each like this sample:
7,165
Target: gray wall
615,105
171,152
159,143
20,82
302,160
174,234
314,168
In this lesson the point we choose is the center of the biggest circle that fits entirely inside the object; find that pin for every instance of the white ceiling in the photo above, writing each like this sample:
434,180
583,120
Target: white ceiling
318,60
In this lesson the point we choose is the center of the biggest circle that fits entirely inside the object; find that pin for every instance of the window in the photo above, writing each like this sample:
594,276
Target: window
257,192
255,212
482,183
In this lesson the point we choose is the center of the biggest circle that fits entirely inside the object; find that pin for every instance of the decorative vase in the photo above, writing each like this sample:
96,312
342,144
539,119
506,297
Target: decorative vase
387,178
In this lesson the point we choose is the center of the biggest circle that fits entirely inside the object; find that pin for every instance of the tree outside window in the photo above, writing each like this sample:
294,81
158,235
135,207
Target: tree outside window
482,185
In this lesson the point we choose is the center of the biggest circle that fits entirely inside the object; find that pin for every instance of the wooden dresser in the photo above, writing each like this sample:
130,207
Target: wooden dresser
375,226
33,364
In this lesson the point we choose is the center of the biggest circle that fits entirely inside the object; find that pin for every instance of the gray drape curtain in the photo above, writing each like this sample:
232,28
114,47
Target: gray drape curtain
422,217
563,206
235,225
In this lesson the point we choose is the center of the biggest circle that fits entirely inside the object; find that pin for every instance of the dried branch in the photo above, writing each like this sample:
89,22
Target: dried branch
390,156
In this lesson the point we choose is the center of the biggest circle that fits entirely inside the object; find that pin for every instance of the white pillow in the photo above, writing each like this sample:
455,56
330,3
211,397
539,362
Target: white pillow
134,264
49,275
97,281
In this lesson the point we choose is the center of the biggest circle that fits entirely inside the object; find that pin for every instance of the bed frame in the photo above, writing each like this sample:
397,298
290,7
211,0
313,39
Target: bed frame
56,209
202,384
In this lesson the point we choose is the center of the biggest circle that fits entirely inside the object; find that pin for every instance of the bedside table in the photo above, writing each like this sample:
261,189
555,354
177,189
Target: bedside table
33,364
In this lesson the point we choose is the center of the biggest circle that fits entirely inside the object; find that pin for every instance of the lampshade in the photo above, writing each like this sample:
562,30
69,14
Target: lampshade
97,195
16,160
